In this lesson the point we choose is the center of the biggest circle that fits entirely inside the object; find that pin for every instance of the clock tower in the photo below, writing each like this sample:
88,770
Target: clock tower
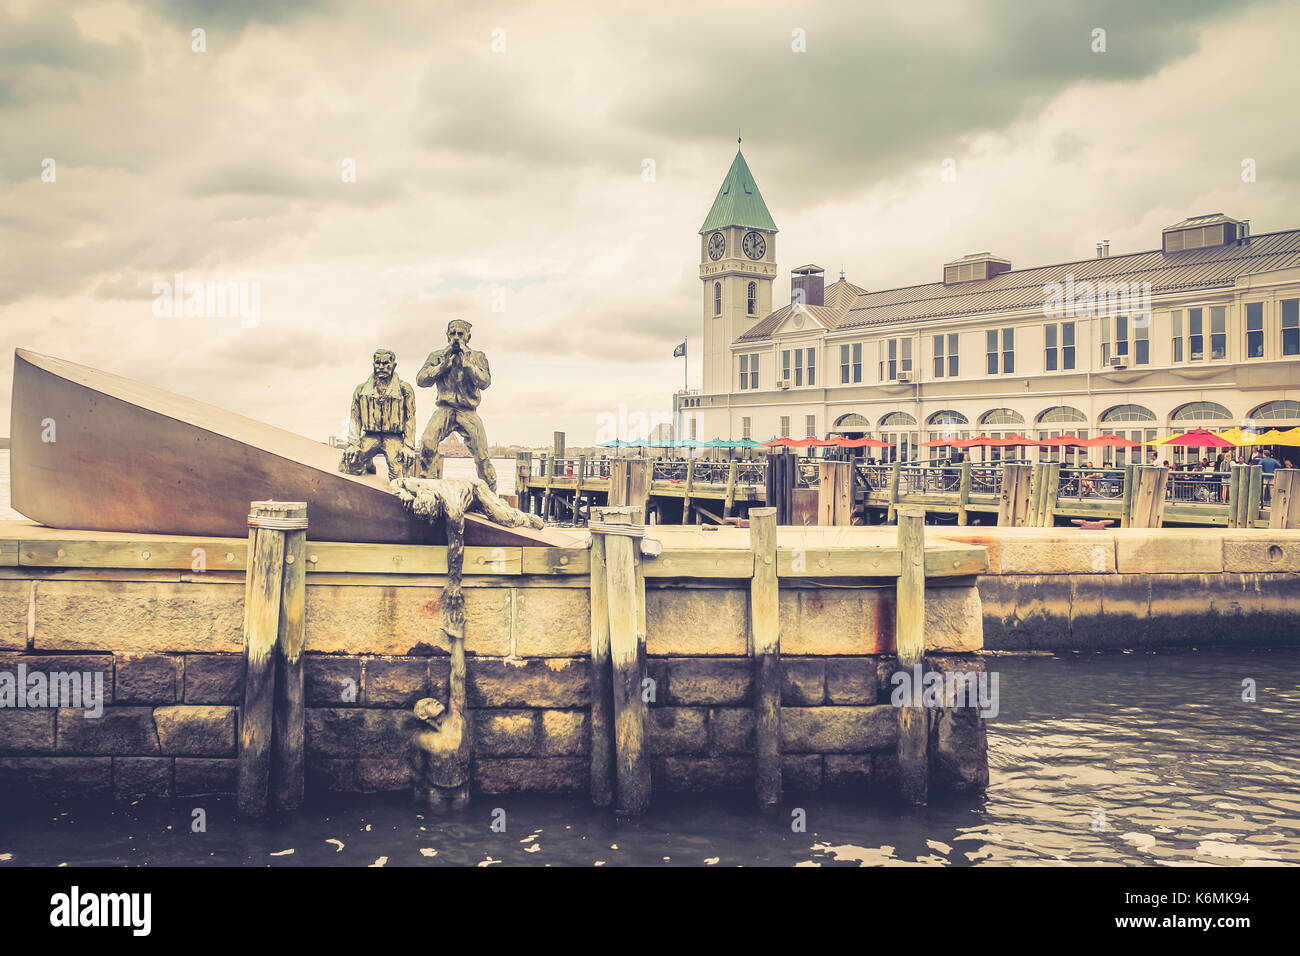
737,266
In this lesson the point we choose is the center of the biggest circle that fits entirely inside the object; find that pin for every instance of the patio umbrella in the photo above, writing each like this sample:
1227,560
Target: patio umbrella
1110,441
1011,441
843,442
1290,437
1199,438
1063,441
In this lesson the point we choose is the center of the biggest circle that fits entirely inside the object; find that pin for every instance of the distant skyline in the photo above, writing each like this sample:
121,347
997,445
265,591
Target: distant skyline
366,172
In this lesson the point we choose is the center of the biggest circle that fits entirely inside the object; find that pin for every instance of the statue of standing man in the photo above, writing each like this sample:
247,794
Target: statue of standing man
460,375
382,421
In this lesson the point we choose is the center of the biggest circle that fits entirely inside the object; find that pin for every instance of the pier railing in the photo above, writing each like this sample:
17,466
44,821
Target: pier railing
712,489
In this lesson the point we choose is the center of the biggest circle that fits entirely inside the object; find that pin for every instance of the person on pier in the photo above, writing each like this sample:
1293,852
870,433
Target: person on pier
460,374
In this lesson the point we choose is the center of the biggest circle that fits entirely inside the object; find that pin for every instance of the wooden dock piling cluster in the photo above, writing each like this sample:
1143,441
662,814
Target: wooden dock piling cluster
271,720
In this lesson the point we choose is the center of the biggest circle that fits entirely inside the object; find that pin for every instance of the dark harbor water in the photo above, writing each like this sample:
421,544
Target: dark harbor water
1133,759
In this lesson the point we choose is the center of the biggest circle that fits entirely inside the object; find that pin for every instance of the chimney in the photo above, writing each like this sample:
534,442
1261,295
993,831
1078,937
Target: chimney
808,285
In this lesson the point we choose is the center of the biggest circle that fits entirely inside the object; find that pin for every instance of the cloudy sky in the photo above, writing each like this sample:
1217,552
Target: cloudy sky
499,152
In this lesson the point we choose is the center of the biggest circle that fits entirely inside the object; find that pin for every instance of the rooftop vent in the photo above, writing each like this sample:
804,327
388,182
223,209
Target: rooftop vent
977,265
1201,232
808,285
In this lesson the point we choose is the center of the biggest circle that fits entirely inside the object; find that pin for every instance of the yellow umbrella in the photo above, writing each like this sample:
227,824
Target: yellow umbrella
1236,436
1161,441
1289,437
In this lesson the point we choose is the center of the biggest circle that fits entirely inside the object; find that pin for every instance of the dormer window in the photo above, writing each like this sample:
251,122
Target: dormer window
1202,232
976,266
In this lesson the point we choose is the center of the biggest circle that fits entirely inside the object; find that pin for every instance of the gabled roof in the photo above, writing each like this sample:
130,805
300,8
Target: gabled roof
838,296
738,203
1213,267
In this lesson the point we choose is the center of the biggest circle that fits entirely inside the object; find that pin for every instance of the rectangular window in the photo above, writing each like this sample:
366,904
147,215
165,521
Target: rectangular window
1067,345
945,355
1196,335
812,366
749,371
694,422
785,365
810,426
1058,346
744,372
850,363
1254,330
785,426
1218,332
746,428
1291,326
1000,359
895,357
1142,340
1176,334
1049,348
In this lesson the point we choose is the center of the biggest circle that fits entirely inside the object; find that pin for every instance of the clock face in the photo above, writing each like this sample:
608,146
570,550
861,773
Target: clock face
717,245
754,245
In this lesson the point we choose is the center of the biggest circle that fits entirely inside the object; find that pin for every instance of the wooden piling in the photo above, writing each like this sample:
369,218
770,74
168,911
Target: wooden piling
1014,496
602,699
909,645
627,659
765,648
289,721
1130,489
729,501
686,498
895,476
263,595
1148,505
834,493
963,493
1284,510
1254,495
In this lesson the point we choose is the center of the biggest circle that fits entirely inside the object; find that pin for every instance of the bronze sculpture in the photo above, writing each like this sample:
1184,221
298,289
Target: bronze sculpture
382,421
460,374
441,750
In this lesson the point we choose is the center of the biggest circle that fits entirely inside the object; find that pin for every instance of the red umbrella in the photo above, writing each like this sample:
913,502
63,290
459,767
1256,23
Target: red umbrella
940,443
843,442
1062,441
1200,438
1011,441
979,441
794,443
1110,441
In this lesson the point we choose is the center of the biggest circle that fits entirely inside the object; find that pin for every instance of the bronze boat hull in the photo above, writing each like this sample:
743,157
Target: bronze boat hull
126,456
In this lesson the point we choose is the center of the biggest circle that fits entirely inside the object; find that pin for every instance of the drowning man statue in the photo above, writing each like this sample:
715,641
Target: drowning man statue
383,421
460,375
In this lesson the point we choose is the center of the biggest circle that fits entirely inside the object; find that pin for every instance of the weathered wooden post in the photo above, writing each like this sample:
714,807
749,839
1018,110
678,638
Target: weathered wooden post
580,471
264,592
639,476
909,645
1047,486
602,691
557,446
1130,489
1284,511
523,470
729,502
1148,507
1013,497
834,492
624,585
963,493
289,723
690,484
895,475
1253,497
765,646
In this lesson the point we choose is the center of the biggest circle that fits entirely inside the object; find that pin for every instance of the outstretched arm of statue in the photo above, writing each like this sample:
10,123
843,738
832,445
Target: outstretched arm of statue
437,363
476,364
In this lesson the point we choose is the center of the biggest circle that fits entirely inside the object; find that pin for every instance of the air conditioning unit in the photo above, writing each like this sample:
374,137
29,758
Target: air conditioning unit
1118,361
904,376
784,383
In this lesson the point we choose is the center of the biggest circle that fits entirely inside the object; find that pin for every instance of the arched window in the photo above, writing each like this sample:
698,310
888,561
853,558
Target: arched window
852,422
1201,412
1002,416
1287,411
1128,413
751,297
897,420
947,417
717,298
1061,413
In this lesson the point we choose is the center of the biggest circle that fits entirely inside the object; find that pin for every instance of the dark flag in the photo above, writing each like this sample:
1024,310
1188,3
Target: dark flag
679,351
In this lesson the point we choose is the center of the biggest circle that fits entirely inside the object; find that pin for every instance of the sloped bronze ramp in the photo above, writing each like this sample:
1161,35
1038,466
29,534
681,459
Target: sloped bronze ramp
130,457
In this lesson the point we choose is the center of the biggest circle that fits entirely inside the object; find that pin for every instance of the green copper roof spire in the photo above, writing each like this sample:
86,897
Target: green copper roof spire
739,203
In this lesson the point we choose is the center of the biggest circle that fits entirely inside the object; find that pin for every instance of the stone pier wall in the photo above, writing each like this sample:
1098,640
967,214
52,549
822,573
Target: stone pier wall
1060,590
169,647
